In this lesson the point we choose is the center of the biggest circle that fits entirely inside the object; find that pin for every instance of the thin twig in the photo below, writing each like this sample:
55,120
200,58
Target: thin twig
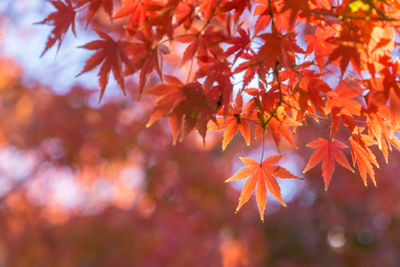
276,72
341,17
271,13
262,149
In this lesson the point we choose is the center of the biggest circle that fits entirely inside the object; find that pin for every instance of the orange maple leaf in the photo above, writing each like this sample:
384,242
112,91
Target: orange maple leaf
237,120
264,17
347,50
328,151
363,157
262,175
279,127
383,132
343,105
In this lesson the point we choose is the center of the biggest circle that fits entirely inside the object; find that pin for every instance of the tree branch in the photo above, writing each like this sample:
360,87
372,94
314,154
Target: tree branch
341,17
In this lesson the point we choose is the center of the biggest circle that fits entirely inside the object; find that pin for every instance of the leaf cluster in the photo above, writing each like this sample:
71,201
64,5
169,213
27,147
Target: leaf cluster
326,62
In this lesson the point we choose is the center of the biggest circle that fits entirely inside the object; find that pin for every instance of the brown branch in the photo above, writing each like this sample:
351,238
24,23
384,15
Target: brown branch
341,17
271,13
276,72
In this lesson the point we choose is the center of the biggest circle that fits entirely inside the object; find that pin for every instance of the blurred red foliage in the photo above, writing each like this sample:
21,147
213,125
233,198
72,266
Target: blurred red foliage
83,184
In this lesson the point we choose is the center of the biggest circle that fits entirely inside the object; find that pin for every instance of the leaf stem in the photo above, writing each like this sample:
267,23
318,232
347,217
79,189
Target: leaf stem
271,13
263,145
190,71
276,72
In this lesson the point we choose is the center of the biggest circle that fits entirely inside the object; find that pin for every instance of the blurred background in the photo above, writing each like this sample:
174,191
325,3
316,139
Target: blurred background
84,183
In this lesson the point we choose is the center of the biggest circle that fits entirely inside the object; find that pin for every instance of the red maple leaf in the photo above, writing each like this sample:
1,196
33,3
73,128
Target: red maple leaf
94,6
61,20
145,54
264,17
186,104
110,55
184,12
239,44
290,10
347,50
139,13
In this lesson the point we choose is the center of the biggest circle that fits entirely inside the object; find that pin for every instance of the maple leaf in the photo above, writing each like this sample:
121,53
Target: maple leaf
277,122
328,152
262,176
383,132
363,157
341,104
61,20
135,10
264,17
278,48
279,128
388,86
139,13
184,13
343,97
381,43
251,67
347,54
347,50
94,6
217,82
186,105
145,53
110,55
237,120
289,12
208,8
317,44
240,44
238,5
204,46
311,89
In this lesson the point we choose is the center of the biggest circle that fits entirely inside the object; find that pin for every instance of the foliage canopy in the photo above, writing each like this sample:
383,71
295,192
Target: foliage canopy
328,62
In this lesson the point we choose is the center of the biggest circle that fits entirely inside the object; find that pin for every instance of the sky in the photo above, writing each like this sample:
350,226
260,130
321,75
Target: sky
56,69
